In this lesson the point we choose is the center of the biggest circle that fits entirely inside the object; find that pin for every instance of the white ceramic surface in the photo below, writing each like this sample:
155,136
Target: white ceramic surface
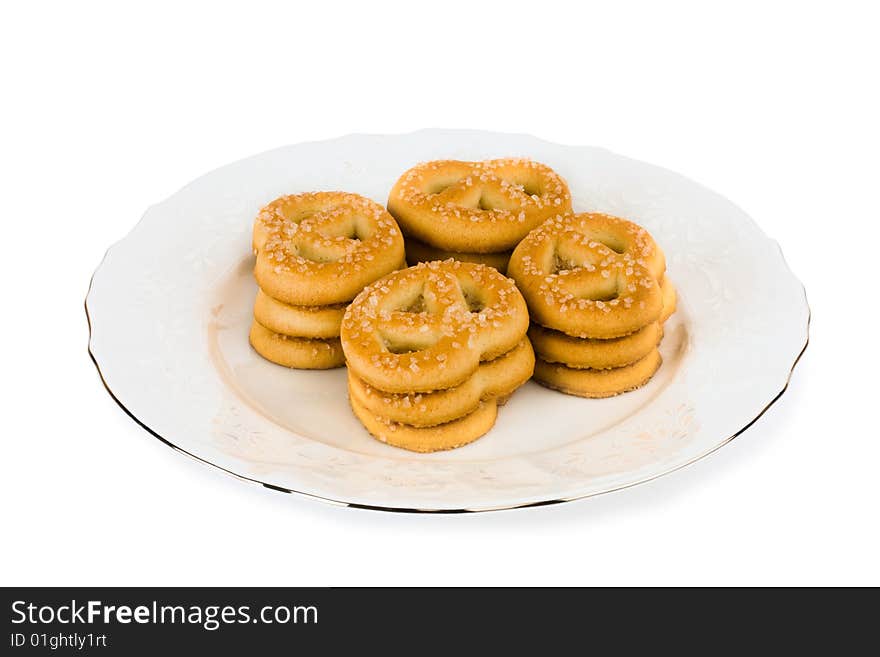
170,306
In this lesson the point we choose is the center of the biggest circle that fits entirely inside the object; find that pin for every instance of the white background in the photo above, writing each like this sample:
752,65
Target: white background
107,109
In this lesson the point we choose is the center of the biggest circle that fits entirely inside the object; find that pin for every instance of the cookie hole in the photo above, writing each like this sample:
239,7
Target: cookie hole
604,296
561,264
611,242
485,204
530,189
439,186
302,216
606,290
474,303
417,305
407,344
362,229
399,347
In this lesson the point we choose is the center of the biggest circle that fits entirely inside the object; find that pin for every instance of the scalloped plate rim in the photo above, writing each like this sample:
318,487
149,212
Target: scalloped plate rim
168,441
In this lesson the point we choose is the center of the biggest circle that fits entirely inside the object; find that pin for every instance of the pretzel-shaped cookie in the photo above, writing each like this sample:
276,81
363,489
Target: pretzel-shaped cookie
477,207
428,327
590,275
322,248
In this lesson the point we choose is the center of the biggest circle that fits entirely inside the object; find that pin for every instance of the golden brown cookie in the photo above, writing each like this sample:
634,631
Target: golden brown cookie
597,383
300,353
299,321
494,379
428,327
476,207
321,248
590,275
592,353
428,439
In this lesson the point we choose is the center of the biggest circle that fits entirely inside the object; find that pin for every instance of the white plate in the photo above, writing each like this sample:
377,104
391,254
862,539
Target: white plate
170,306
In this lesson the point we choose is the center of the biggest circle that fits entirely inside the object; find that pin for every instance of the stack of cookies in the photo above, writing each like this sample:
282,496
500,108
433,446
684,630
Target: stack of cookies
314,253
474,211
433,350
597,295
